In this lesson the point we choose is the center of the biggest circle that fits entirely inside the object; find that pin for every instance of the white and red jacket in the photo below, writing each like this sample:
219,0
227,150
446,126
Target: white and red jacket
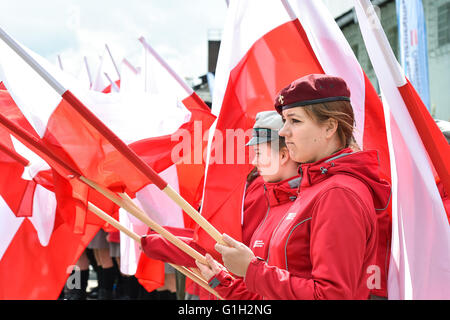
325,246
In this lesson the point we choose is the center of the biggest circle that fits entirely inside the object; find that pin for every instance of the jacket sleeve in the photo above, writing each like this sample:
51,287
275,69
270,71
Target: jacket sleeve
158,248
232,289
340,227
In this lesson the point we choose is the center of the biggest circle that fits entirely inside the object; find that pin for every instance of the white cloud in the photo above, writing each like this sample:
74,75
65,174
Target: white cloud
177,29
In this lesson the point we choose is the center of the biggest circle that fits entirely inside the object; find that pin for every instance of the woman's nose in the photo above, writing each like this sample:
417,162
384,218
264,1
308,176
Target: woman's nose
283,131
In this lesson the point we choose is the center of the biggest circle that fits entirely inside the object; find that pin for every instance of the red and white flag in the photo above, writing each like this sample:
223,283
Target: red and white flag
37,245
265,46
37,219
420,255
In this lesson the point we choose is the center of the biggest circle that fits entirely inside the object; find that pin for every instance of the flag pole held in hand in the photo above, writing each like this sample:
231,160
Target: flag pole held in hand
185,271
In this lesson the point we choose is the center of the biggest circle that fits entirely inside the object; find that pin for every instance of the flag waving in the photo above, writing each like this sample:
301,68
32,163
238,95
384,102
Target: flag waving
37,245
420,256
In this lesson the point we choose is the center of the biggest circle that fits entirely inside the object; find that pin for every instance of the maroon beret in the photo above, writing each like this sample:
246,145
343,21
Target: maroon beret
312,89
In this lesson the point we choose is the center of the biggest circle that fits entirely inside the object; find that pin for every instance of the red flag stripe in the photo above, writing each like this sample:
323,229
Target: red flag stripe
432,138
14,155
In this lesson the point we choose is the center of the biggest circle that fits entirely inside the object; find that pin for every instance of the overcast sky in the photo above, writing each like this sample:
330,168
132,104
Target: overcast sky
177,29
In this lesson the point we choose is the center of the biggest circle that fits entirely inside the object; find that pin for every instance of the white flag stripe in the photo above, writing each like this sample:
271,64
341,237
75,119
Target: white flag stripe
158,208
157,204
36,163
9,224
129,249
27,88
246,22
44,210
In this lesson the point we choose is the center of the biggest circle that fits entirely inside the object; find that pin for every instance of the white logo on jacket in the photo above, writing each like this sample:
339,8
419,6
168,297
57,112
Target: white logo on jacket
291,216
258,244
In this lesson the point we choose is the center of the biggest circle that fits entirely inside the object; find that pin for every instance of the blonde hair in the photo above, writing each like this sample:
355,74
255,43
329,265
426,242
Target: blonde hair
342,112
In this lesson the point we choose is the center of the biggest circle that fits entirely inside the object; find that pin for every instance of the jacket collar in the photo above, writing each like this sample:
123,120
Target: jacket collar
312,173
282,192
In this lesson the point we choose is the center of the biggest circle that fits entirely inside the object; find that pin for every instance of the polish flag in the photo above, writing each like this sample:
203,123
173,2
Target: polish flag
38,252
72,195
37,218
37,245
420,255
265,46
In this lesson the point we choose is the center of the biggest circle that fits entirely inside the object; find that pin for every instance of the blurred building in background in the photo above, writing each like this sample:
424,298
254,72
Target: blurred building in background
437,16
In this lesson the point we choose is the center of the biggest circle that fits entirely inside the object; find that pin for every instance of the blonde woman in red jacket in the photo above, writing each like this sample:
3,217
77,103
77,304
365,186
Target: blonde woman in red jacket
325,246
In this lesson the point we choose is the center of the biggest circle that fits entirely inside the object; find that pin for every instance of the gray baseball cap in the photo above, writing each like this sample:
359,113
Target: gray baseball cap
266,127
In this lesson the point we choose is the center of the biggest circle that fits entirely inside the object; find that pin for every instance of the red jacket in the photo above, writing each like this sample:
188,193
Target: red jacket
254,209
326,244
279,197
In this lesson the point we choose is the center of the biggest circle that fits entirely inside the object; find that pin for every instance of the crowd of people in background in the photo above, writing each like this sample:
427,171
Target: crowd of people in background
100,277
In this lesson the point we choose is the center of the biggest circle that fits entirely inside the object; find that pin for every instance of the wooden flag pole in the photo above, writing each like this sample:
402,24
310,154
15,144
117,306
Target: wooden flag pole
88,70
127,198
141,215
164,64
113,61
116,224
104,216
111,137
202,283
129,65
113,84
60,63
133,209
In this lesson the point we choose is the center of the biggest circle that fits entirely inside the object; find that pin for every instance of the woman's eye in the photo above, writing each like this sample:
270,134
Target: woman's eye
295,121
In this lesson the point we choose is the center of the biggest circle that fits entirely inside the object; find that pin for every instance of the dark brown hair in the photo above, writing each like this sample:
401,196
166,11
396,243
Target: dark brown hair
254,173
281,143
342,112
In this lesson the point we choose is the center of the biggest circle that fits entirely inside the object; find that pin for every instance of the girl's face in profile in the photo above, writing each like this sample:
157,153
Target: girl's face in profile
267,161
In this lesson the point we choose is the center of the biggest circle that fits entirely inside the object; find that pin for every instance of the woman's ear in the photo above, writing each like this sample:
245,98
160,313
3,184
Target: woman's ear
284,155
331,127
